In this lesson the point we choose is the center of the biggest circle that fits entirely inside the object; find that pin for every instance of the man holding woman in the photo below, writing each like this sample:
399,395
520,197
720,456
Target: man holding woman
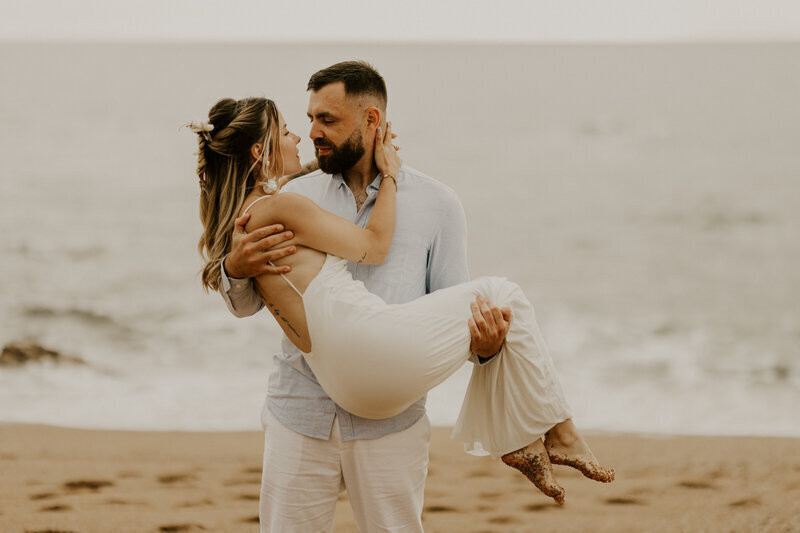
313,447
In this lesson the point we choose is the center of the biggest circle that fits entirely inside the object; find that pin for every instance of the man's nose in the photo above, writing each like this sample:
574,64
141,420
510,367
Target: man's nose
316,132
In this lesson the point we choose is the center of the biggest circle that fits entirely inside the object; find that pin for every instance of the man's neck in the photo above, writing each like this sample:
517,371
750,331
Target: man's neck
359,176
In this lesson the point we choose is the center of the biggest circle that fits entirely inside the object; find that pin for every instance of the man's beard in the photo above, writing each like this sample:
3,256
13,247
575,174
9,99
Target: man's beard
341,157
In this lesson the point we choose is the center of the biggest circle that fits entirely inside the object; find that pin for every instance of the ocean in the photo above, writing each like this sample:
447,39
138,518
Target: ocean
644,196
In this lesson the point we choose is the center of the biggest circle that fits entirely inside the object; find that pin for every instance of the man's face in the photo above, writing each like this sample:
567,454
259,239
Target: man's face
336,128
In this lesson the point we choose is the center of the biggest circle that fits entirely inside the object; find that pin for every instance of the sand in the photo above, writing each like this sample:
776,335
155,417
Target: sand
68,480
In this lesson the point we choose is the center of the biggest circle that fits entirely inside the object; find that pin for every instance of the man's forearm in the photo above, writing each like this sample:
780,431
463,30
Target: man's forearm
309,167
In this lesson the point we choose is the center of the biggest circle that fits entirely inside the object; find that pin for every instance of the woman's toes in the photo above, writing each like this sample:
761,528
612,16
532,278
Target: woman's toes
588,467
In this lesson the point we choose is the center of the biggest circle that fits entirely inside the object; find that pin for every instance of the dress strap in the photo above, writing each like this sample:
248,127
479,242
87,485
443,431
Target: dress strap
300,294
254,202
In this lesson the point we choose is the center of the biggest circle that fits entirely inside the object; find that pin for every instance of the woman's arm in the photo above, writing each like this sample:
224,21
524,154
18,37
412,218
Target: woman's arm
316,228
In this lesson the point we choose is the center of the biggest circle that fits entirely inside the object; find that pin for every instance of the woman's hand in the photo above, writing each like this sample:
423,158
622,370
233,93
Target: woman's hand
386,158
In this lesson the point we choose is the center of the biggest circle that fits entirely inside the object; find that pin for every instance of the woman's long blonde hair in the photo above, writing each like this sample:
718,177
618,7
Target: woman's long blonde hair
225,168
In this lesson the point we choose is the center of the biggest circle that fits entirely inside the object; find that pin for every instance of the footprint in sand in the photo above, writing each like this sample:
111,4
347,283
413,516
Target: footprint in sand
48,531
489,495
251,520
624,501
252,470
42,496
792,486
747,502
250,497
114,501
439,509
55,508
479,473
171,479
695,484
502,520
180,528
199,503
87,484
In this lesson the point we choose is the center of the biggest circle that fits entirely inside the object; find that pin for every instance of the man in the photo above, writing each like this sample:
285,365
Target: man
313,448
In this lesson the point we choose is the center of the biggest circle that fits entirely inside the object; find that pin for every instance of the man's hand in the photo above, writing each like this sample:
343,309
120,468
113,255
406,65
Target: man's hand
488,327
250,254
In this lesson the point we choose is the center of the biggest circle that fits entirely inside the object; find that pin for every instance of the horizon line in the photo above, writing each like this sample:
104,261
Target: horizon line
395,42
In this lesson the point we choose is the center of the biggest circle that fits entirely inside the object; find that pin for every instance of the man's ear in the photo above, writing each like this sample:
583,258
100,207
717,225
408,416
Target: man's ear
373,116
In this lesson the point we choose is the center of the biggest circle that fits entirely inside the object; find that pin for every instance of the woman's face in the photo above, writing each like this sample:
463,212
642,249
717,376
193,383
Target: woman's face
289,151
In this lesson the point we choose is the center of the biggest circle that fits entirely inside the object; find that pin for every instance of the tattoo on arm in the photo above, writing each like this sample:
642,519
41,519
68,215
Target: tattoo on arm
308,167
283,319
362,258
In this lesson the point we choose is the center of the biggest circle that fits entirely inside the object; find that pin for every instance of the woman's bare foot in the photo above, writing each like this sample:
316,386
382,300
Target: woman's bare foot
533,461
565,446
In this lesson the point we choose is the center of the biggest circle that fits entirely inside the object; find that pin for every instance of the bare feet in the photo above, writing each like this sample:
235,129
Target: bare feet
565,446
532,461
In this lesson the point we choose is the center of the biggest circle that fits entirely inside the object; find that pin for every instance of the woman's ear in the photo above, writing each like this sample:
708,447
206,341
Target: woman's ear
256,150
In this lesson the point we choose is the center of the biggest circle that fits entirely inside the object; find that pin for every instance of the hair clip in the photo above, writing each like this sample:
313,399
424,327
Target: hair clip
200,127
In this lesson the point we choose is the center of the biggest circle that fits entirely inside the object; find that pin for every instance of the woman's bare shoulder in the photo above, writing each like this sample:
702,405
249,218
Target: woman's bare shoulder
281,208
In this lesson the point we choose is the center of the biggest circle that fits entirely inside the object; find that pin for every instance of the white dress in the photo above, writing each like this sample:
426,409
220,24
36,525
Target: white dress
376,359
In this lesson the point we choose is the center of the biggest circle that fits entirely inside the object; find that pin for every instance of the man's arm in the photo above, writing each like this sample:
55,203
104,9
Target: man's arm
249,257
447,265
309,167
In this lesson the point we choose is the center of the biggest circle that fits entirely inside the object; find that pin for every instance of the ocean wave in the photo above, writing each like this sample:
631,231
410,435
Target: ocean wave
84,319
713,219
83,315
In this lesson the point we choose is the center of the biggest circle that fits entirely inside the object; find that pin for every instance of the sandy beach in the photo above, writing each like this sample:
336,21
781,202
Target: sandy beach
87,481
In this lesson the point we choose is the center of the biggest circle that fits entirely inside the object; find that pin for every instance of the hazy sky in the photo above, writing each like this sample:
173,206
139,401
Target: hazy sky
418,20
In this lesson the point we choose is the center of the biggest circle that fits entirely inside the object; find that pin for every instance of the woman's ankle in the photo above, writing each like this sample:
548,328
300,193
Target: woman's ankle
564,433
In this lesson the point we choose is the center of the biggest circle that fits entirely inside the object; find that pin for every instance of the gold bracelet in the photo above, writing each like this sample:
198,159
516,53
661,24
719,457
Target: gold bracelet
389,176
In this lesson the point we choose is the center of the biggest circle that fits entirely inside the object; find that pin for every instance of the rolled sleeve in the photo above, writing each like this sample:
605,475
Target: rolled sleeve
239,294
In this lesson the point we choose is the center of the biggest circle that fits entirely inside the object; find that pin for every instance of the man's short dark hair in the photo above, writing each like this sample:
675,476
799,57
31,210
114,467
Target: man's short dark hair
359,78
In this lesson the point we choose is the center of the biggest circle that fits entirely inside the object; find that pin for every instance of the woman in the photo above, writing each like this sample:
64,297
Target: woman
514,407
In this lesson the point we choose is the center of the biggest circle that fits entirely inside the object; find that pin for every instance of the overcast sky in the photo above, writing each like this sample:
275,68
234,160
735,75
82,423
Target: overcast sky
399,20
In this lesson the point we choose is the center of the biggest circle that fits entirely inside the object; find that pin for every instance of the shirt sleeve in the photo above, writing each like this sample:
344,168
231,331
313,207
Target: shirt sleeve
447,256
239,294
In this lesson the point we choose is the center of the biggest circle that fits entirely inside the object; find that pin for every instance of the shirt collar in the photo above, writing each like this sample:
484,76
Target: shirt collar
374,186
338,180
376,183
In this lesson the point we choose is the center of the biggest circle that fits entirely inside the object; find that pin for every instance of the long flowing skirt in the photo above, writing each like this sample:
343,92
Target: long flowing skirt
376,359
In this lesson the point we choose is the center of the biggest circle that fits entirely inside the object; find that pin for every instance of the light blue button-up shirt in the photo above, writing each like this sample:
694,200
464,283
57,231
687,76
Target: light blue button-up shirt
428,252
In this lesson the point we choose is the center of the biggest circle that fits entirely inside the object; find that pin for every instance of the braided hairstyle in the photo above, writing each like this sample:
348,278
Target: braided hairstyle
225,168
